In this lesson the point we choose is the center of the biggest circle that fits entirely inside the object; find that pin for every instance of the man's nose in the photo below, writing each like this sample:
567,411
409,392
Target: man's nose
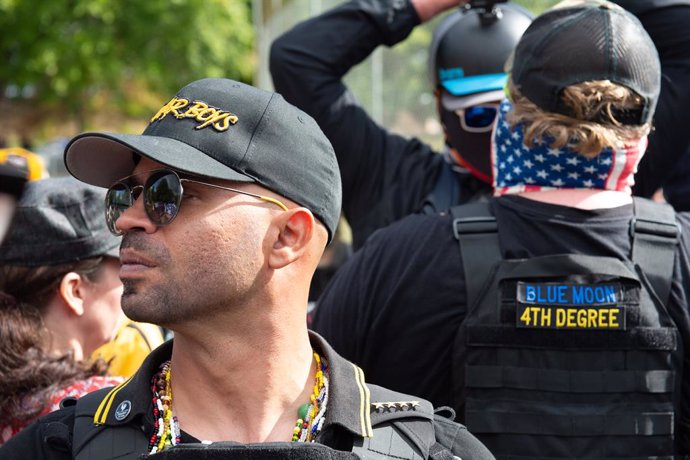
135,217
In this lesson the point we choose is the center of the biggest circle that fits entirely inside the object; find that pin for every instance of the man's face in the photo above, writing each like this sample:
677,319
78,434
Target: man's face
468,134
209,258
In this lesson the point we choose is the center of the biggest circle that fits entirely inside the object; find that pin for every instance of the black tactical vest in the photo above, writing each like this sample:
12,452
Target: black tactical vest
569,356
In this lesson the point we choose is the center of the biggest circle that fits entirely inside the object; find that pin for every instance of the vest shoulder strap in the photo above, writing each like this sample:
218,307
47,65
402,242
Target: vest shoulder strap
446,191
126,442
402,428
654,234
476,230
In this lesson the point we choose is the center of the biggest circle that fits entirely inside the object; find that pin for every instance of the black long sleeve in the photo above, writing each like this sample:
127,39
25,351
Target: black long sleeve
385,176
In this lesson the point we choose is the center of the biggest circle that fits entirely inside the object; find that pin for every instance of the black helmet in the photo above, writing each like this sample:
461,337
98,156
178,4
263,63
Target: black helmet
471,45
468,53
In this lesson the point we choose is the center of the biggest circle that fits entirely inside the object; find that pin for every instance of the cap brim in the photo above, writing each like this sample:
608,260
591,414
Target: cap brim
453,103
102,159
475,84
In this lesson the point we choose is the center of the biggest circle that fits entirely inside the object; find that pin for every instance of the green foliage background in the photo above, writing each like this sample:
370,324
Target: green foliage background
74,65
69,58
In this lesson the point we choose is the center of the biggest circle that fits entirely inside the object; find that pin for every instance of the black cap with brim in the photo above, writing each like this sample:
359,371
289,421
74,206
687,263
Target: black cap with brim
227,130
117,158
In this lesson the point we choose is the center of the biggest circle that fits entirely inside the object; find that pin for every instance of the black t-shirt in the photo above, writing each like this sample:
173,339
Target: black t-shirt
395,307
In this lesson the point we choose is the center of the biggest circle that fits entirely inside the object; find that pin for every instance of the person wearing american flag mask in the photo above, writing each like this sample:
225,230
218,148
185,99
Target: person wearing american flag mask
553,318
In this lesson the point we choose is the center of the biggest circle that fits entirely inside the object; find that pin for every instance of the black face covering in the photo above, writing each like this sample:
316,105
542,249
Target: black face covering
474,149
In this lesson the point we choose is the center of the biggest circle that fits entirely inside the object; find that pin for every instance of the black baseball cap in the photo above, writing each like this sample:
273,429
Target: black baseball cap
593,41
224,129
58,221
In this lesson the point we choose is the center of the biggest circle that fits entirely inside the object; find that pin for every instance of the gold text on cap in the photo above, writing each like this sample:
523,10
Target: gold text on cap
218,119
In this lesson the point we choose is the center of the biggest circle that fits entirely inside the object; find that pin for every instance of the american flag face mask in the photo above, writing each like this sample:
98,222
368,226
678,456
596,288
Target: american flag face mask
517,168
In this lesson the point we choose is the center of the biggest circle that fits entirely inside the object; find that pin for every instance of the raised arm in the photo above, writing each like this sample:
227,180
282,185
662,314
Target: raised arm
385,176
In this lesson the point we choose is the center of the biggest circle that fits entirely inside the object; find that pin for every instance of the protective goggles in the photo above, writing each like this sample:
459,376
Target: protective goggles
478,118
162,197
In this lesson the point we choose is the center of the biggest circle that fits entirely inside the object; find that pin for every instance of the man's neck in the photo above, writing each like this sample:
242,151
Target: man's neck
244,382
581,198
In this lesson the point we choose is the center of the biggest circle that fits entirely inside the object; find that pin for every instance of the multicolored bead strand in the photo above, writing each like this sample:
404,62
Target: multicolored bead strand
166,431
311,416
166,428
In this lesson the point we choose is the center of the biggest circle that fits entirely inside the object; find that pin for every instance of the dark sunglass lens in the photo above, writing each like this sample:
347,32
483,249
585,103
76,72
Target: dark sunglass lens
480,117
162,195
117,200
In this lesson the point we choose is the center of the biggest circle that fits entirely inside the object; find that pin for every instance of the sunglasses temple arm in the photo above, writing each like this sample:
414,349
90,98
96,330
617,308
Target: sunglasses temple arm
242,192
274,201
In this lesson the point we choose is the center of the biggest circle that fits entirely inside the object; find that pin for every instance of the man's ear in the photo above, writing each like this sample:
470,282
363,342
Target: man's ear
295,230
72,291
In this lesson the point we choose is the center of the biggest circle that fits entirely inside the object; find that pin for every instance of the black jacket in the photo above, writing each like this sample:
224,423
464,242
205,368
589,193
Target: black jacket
351,412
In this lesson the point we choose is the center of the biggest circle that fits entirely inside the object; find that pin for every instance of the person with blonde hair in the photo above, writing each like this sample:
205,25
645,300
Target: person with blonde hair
554,318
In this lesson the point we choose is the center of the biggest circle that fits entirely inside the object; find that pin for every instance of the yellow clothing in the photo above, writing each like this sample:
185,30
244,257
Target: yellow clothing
132,343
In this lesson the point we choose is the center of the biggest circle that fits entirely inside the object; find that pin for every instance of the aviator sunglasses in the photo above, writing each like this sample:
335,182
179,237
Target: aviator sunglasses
478,118
162,197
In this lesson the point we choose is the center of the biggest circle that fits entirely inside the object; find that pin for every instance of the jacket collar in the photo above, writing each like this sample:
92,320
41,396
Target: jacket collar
134,396
349,399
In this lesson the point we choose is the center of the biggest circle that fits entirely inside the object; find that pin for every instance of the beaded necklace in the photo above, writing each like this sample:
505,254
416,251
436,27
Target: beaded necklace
166,432
311,416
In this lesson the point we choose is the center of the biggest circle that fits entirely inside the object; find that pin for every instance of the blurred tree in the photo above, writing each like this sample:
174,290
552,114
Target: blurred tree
67,58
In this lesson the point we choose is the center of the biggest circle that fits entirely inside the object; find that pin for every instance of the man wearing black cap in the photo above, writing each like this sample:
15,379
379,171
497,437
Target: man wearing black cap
386,176
554,319
225,204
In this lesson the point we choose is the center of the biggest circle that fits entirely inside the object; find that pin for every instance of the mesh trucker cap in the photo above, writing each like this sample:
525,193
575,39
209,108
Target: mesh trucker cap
596,40
57,221
224,129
